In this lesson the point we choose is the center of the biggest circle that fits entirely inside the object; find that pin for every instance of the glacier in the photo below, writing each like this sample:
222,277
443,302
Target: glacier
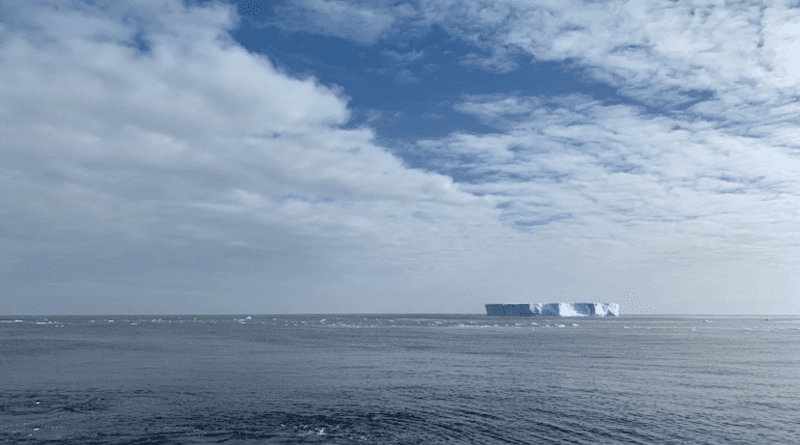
554,309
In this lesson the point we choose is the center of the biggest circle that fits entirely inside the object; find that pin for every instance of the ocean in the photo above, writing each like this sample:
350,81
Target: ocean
399,379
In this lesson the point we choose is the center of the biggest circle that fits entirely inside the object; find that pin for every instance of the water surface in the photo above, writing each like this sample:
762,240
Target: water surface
399,379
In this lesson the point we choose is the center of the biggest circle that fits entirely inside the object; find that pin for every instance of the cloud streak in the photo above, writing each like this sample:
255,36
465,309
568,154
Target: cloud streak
362,23
627,170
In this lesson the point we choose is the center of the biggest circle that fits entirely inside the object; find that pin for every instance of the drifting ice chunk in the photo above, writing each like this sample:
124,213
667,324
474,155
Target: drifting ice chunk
554,309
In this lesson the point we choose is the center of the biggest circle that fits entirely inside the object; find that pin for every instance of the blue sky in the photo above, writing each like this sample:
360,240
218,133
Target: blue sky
321,156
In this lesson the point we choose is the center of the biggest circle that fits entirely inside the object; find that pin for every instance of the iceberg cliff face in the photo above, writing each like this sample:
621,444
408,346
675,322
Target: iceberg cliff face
555,309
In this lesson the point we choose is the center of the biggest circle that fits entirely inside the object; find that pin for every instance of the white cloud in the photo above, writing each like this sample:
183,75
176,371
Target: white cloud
200,154
647,48
361,23
404,58
196,170
406,76
599,174
498,62
714,183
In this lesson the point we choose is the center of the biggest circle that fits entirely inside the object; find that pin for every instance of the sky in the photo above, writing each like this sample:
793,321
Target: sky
426,156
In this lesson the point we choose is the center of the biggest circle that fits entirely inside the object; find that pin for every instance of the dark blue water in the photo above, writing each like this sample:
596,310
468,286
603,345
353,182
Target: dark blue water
383,379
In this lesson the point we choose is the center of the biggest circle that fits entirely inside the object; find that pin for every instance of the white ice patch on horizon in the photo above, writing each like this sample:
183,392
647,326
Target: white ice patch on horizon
554,309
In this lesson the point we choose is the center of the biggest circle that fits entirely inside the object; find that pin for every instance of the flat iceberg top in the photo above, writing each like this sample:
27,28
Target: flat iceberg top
554,309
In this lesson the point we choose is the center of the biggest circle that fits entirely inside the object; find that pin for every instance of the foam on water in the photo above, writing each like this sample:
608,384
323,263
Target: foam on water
751,323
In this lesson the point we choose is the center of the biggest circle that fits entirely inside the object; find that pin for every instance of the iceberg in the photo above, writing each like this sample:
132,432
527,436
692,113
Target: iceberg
554,309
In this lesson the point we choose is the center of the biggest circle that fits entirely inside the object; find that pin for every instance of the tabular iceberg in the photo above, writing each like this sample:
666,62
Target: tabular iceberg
554,309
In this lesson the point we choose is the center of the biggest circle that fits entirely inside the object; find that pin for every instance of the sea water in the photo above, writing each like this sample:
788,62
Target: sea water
399,379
